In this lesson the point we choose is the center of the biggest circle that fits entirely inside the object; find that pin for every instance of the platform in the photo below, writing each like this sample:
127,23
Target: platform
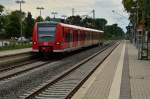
13,52
120,76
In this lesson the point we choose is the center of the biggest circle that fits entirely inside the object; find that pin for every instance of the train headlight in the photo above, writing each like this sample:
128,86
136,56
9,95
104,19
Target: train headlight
34,43
58,43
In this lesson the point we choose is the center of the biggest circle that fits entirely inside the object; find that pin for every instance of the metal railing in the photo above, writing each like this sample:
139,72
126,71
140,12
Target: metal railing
9,44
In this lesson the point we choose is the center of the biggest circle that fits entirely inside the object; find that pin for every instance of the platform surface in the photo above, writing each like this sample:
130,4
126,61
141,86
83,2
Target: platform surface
13,52
120,76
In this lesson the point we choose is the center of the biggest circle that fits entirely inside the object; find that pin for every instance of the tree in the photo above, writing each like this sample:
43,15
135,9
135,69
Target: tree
128,4
13,26
28,25
39,19
88,22
113,32
1,8
47,18
1,18
100,23
75,20
140,7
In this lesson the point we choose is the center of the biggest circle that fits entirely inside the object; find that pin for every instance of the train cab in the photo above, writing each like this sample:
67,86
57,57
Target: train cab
44,36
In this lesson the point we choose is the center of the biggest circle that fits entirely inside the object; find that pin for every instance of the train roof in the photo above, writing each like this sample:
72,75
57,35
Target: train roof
73,26
79,27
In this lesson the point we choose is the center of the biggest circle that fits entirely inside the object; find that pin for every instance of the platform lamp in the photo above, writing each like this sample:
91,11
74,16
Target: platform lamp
40,9
54,13
20,2
64,17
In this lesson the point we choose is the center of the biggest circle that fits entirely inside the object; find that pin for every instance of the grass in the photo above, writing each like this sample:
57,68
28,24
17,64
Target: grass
13,47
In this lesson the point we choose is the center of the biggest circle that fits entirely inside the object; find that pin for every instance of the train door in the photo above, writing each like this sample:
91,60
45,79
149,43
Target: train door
74,38
83,38
65,31
80,38
92,38
87,34
71,38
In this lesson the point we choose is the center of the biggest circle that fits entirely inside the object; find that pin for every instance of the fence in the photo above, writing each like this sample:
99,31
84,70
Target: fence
9,44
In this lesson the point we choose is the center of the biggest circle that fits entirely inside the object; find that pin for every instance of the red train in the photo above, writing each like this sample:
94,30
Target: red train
59,37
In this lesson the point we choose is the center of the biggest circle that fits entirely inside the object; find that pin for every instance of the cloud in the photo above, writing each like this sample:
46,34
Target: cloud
104,9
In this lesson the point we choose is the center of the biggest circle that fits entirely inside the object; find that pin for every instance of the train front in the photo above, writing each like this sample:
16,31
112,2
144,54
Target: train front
44,37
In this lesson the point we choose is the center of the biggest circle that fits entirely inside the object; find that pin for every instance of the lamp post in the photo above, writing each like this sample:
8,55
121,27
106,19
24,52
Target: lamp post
40,9
73,11
64,18
20,2
54,13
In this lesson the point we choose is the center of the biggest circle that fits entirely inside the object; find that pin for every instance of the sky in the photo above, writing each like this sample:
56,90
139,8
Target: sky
103,9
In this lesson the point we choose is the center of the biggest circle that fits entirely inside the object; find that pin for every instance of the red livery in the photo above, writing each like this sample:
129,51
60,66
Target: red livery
59,37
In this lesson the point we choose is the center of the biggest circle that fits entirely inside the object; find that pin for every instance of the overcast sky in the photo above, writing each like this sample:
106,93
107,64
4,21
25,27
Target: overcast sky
103,8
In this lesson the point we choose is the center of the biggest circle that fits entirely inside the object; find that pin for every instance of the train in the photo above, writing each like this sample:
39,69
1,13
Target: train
57,37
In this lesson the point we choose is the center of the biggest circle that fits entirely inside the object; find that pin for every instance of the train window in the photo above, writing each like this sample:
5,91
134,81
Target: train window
77,35
85,35
71,36
46,33
74,36
63,32
80,36
88,36
65,37
68,37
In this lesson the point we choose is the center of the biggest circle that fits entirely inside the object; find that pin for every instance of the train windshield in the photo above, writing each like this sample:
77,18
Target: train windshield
46,32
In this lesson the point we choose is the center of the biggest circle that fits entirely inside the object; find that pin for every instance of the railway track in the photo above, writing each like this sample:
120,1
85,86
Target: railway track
11,71
8,61
9,74
63,86
7,68
14,56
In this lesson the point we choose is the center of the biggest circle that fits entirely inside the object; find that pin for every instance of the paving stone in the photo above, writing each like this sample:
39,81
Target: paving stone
139,75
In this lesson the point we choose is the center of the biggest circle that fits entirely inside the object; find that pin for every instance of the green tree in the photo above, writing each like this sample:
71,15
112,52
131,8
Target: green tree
39,19
47,18
88,22
1,9
113,32
128,4
28,25
14,23
1,17
75,20
100,23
